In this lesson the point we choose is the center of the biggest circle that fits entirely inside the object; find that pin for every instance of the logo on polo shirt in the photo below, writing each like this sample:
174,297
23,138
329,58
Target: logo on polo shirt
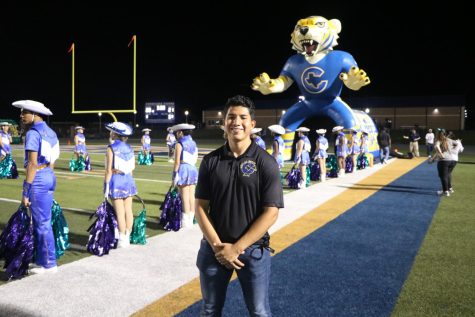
248,168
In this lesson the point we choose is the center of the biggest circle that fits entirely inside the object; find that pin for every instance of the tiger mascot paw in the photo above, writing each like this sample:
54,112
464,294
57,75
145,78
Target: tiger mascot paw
355,78
266,85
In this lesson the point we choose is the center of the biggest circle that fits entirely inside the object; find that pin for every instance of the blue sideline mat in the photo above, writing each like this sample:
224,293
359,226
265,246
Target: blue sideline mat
357,264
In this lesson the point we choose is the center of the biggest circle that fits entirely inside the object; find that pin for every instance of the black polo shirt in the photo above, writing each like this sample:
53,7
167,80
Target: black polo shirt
238,189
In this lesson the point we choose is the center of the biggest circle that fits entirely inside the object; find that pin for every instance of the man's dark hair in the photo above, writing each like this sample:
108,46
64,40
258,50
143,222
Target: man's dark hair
240,101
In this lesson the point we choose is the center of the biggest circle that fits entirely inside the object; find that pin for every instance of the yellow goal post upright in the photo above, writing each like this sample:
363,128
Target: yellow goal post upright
108,111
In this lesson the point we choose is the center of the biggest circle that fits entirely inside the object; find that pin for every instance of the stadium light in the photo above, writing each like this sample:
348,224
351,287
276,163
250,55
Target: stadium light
186,115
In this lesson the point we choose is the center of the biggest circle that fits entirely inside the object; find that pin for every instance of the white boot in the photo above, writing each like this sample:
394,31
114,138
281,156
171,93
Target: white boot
127,237
323,178
187,219
123,242
184,220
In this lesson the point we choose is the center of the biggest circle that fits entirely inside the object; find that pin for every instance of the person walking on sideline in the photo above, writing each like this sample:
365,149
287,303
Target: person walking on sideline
429,142
119,183
185,173
384,142
238,197
41,152
414,142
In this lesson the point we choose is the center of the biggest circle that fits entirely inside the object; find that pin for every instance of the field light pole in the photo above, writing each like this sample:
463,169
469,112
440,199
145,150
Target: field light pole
100,123
186,116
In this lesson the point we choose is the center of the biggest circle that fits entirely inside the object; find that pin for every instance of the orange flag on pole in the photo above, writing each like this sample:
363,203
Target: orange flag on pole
131,40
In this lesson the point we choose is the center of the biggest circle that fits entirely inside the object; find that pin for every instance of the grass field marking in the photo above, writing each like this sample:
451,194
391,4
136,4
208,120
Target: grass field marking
69,174
64,208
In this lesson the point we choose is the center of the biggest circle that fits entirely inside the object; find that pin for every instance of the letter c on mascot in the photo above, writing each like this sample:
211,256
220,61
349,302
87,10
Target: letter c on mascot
320,72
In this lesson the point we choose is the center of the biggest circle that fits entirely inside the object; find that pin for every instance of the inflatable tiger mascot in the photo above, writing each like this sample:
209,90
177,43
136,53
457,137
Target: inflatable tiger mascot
320,72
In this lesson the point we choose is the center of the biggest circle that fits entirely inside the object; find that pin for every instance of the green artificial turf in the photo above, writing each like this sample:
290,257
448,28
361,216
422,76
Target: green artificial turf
442,279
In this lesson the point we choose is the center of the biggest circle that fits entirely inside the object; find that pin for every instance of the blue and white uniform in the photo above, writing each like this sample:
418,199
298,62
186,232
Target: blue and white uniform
81,146
364,143
342,146
122,184
41,139
322,147
187,172
305,155
146,142
5,148
280,150
171,139
321,86
355,150
260,142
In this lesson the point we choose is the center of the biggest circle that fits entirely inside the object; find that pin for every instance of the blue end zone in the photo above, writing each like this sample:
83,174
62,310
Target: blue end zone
357,264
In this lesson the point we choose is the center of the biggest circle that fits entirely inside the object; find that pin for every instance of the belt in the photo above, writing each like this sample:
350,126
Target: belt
40,167
118,172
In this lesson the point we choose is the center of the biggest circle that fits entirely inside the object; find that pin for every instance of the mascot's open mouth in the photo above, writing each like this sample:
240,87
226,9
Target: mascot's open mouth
310,46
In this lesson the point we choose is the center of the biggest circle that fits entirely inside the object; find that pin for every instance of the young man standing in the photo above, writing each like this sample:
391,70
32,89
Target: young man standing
238,197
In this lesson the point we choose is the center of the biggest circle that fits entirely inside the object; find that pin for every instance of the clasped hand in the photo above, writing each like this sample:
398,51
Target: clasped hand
227,254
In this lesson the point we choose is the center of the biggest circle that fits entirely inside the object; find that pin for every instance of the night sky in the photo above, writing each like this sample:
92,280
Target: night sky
199,55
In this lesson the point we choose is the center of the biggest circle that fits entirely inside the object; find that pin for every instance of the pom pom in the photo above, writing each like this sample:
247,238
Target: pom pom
8,168
17,244
104,232
60,229
172,209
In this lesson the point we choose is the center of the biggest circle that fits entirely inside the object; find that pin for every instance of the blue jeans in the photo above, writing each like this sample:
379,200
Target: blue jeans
41,198
254,278
430,149
384,154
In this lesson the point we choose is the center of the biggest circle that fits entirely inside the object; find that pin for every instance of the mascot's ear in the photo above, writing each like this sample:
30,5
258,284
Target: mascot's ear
336,24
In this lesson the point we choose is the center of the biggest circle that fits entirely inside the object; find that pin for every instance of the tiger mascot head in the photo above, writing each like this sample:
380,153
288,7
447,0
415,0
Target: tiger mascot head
314,35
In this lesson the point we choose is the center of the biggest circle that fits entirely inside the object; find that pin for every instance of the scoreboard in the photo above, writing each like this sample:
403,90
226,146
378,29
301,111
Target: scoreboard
160,112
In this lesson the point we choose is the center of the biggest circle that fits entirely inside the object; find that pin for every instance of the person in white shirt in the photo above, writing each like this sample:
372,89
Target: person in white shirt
430,142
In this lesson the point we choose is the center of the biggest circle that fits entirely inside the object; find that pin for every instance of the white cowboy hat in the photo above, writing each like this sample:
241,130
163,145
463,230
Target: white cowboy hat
4,123
78,127
182,126
337,128
146,130
120,128
302,129
33,106
321,131
256,130
276,128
